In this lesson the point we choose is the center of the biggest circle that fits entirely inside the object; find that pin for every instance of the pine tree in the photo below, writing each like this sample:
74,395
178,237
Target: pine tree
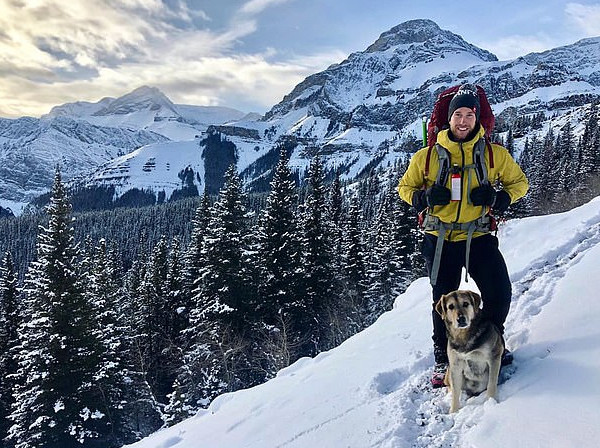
278,262
335,212
216,360
391,265
354,269
55,401
589,146
193,258
158,317
177,304
9,321
510,142
115,379
567,170
317,269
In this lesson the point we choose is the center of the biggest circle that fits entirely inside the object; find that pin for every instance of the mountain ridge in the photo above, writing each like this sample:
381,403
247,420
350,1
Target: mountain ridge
361,113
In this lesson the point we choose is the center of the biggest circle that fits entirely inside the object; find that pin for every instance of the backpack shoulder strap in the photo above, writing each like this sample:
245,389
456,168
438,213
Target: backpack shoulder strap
490,152
426,171
481,169
444,161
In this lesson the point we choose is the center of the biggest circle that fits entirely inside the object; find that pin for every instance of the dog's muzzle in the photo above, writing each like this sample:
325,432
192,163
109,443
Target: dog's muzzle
462,322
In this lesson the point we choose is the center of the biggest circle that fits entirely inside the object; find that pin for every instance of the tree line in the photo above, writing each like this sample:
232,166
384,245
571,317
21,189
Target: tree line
123,321
97,354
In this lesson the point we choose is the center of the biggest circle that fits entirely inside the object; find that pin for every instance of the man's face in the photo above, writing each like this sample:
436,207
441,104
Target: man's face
462,122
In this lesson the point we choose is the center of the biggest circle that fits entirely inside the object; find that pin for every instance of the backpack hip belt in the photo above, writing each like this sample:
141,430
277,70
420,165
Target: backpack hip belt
484,224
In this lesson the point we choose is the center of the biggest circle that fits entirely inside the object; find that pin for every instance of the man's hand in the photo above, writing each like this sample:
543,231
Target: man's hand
483,195
437,195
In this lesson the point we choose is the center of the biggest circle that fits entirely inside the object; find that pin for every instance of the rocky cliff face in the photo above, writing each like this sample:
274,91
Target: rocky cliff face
361,113
370,106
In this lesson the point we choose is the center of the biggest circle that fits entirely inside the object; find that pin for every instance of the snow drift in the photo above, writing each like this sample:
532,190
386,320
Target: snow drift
372,391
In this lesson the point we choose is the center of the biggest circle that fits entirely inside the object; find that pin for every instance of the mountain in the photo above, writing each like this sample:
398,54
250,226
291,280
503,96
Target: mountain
82,136
150,109
31,148
344,112
372,390
360,114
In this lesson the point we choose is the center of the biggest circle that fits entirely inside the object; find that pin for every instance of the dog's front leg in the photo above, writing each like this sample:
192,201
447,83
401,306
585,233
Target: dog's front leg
494,371
455,384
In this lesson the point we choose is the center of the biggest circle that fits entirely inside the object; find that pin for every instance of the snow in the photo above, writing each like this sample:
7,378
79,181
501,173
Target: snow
153,167
372,390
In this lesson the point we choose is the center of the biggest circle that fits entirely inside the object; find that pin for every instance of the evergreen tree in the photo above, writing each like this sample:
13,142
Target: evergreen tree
589,153
55,401
116,379
391,261
335,212
9,321
317,268
216,360
510,142
158,318
177,304
354,269
278,263
194,262
567,169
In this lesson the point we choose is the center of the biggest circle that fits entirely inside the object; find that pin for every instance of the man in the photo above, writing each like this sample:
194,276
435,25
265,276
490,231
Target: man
459,211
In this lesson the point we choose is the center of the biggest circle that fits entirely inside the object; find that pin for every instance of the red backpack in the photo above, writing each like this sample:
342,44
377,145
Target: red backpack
439,116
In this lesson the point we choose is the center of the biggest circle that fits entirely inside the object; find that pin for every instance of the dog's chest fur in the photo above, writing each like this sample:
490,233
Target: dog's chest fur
469,353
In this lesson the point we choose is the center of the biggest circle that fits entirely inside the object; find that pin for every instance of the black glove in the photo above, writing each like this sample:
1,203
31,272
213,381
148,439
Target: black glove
419,201
437,195
502,201
483,195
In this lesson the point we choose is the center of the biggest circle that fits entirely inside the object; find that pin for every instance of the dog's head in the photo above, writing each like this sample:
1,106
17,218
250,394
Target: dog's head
458,308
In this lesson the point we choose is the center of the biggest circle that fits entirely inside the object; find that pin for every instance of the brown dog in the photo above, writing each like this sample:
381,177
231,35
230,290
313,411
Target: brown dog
475,346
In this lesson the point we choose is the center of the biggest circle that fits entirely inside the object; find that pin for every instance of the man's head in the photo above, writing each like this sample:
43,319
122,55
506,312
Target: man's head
463,111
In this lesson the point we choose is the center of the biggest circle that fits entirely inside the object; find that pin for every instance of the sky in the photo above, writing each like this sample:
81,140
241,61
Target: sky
371,391
245,54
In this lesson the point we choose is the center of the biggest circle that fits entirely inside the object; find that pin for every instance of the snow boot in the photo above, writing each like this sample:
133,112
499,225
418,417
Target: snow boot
439,374
507,358
441,365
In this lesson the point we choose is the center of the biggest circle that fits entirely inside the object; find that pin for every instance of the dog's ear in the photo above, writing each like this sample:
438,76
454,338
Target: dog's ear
476,299
439,306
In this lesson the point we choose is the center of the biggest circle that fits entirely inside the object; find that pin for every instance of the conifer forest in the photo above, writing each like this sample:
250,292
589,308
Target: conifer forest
115,323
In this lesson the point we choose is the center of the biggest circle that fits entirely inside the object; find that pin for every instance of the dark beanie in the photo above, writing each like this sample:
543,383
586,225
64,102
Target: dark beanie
465,96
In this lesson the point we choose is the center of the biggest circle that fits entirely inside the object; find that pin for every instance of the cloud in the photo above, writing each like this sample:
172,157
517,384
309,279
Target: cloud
52,52
511,47
256,6
585,18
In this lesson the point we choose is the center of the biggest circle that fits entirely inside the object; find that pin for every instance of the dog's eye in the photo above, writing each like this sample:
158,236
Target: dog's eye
451,306
466,304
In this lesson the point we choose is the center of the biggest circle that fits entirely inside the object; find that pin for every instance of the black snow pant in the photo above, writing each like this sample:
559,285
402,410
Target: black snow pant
486,267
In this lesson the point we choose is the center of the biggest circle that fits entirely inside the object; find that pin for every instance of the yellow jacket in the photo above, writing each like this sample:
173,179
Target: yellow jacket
505,170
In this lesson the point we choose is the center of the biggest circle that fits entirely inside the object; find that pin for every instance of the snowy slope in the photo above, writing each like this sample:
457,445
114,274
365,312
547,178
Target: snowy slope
150,109
372,390
154,167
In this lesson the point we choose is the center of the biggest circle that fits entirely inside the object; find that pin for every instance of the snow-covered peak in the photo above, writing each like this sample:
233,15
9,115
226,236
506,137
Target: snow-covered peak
418,30
396,64
142,98
78,109
421,31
